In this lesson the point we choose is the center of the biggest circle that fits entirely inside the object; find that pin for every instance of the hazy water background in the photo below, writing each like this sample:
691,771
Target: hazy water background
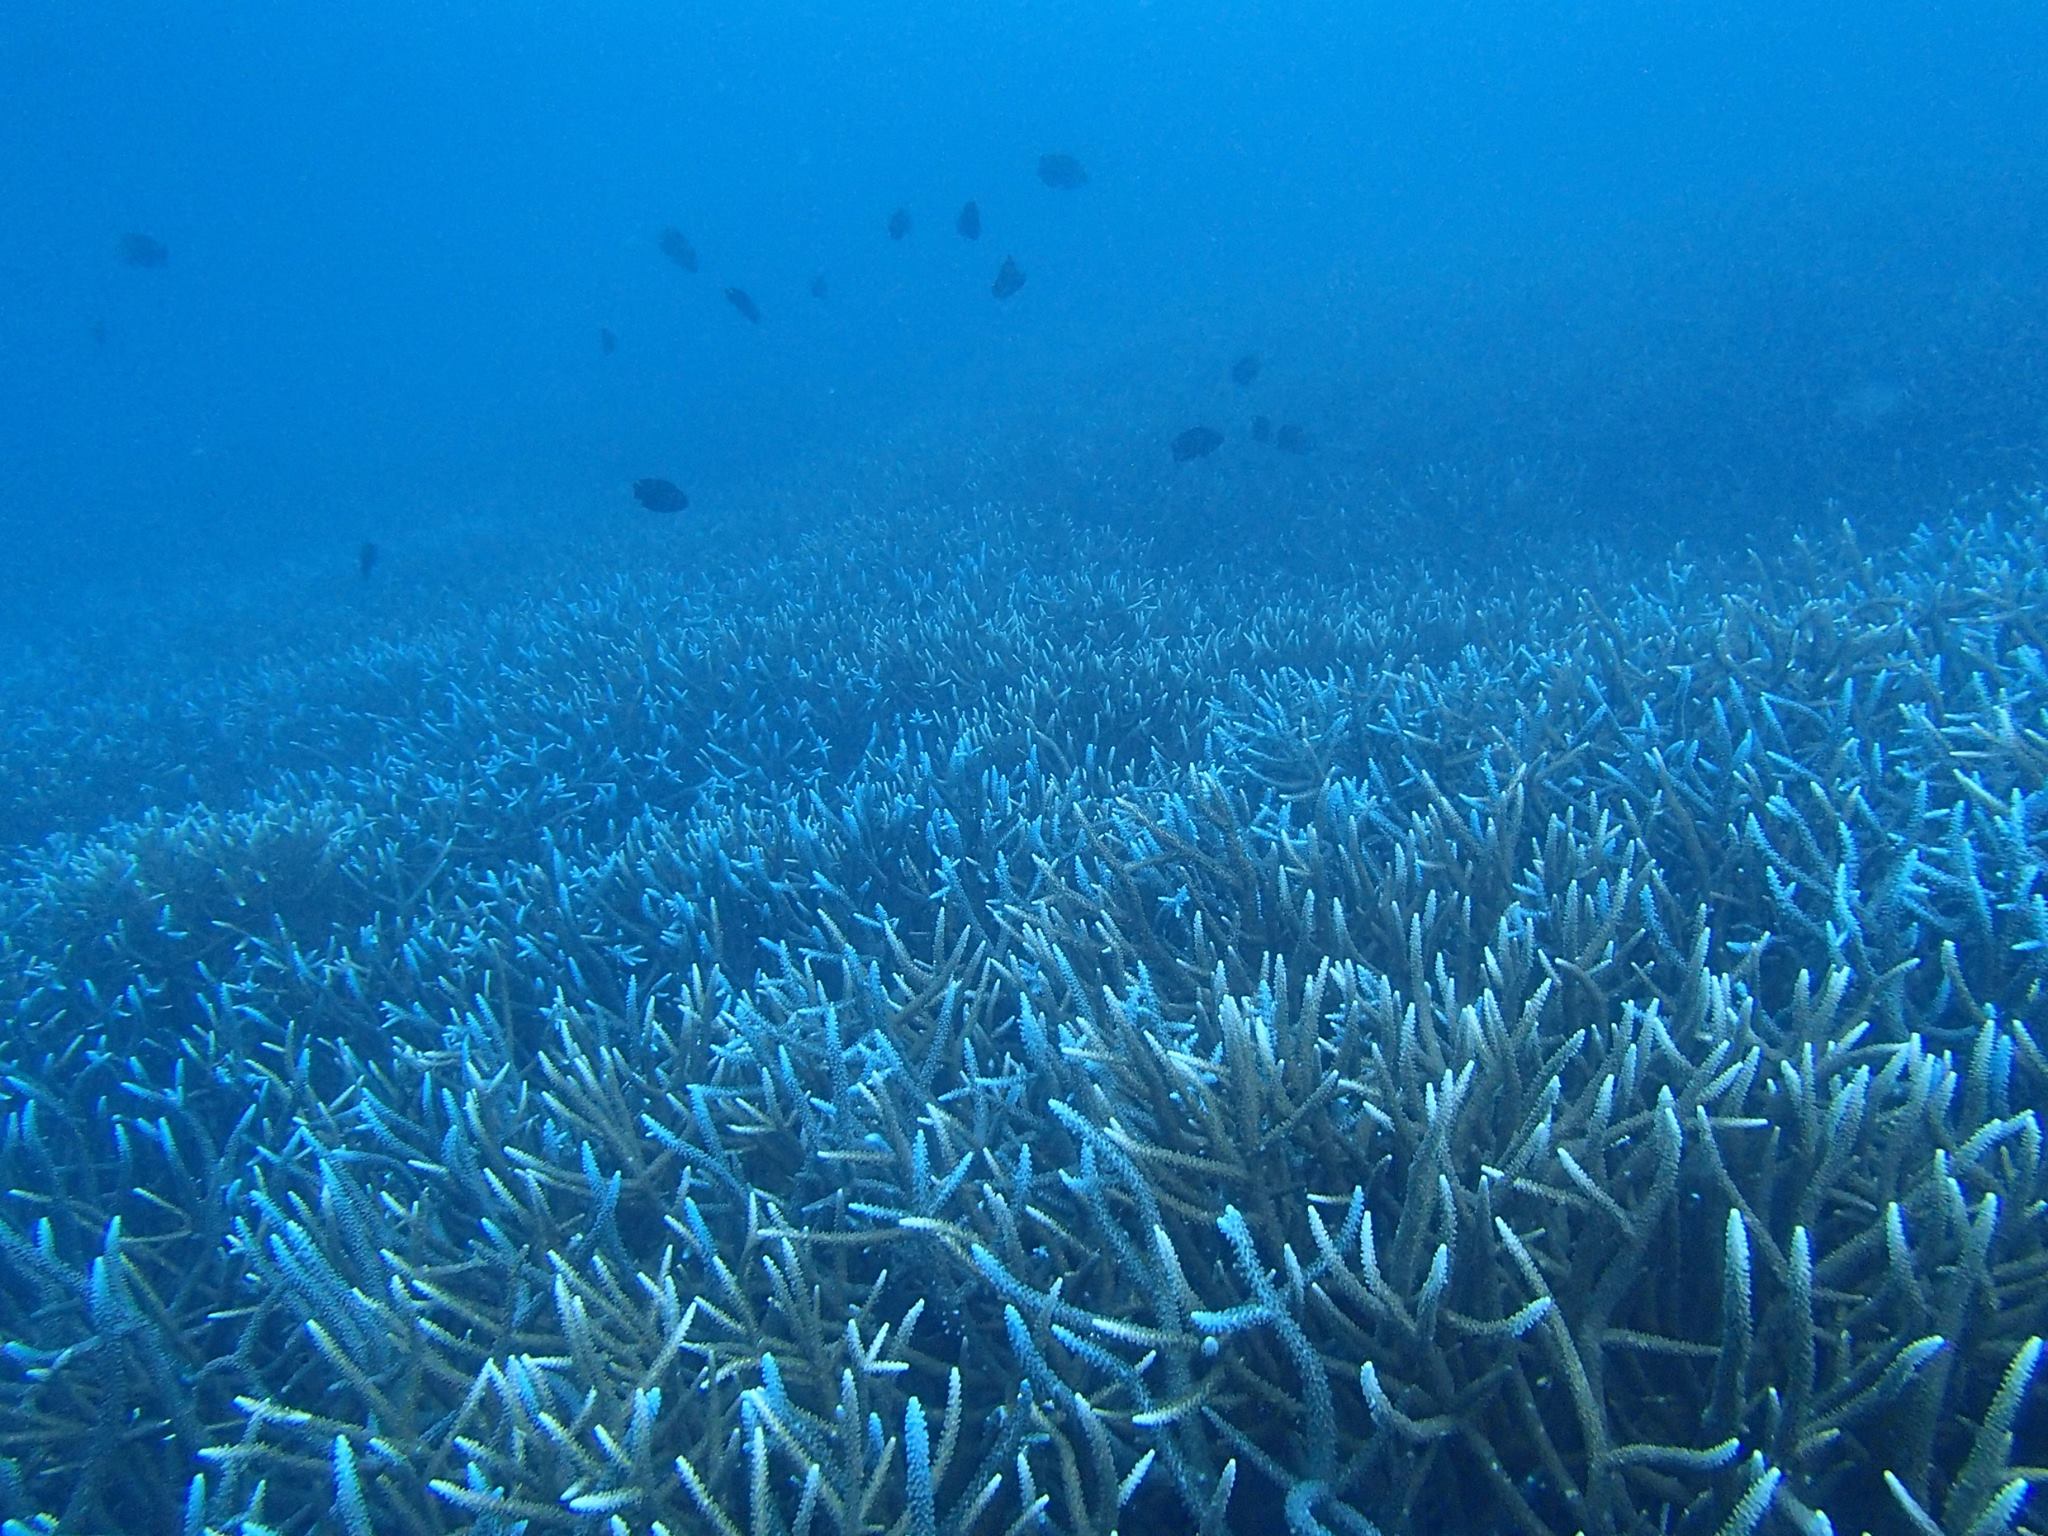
1707,266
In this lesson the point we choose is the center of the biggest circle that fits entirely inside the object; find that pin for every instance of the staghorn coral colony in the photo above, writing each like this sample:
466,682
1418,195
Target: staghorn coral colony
974,1045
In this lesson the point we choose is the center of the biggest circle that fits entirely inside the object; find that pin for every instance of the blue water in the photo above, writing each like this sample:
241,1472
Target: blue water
1443,935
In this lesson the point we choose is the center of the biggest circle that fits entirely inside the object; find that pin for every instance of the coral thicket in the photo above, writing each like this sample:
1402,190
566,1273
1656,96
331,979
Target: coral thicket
988,1041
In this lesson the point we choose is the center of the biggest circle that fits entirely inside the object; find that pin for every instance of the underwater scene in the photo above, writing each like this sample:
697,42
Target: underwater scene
1043,768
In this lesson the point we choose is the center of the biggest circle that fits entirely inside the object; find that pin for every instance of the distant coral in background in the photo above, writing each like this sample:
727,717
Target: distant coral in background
978,1046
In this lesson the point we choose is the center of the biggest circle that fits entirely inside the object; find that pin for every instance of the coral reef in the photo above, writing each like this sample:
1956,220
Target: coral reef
969,1044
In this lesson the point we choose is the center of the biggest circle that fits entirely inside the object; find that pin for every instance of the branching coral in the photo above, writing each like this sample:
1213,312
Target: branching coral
1583,1078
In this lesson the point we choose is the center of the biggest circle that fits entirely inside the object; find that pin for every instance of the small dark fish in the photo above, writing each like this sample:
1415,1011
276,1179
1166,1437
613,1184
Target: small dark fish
99,333
1196,443
1008,280
899,223
675,245
737,298
819,287
1245,369
1061,171
1291,439
969,222
1262,429
660,495
140,250
607,343
367,558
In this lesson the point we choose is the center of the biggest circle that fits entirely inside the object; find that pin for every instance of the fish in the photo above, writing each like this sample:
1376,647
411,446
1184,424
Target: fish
607,343
1291,439
737,298
899,223
969,222
819,287
1062,172
140,250
1262,429
658,495
1008,280
1245,369
675,245
1196,443
367,558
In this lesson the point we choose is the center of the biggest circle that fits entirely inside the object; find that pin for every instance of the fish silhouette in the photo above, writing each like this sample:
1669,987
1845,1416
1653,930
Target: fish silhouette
1196,443
658,495
899,223
1245,369
737,298
675,245
1008,280
1062,172
140,250
969,222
